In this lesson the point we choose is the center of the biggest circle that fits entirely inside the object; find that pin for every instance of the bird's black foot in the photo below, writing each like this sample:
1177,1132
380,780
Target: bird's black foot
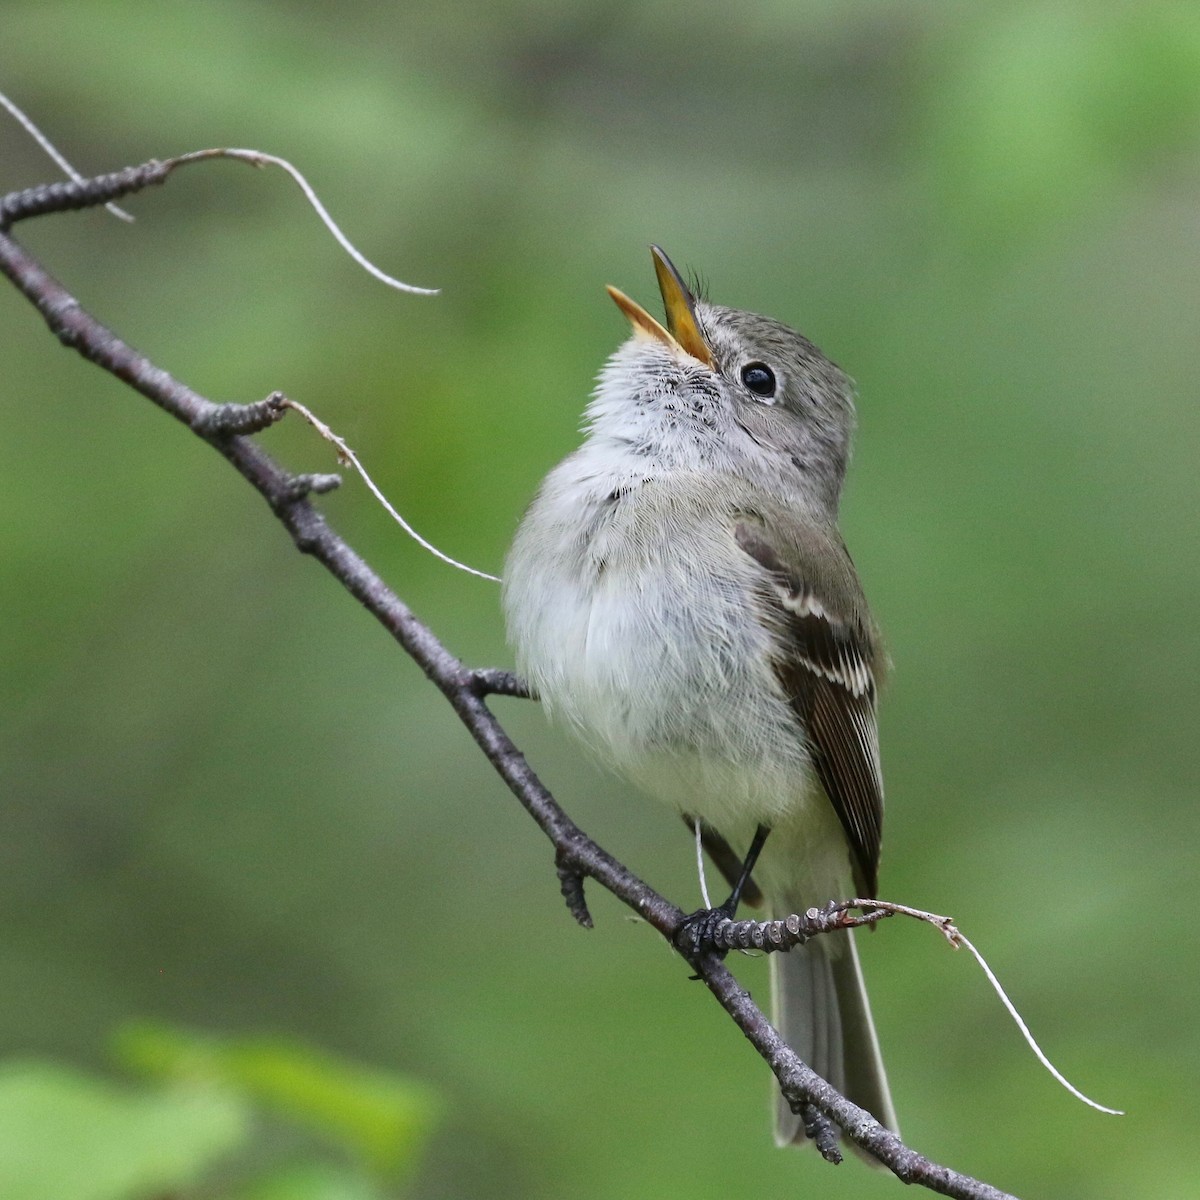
698,931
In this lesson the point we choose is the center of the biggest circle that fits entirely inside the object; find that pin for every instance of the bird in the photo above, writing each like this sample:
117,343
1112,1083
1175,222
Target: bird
680,599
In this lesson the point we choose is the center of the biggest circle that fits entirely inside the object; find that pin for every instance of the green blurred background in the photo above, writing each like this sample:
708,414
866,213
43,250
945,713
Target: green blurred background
230,806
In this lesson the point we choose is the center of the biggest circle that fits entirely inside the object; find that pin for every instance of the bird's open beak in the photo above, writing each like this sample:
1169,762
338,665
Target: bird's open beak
682,331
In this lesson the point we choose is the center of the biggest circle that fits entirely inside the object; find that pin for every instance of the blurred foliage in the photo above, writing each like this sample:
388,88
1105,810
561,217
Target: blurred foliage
227,803
384,1119
64,1134
205,1130
1048,106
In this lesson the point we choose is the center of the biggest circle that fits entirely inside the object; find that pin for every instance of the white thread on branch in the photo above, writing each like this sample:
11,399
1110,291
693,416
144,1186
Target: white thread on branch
258,158
957,938
1025,1033
700,866
48,146
346,455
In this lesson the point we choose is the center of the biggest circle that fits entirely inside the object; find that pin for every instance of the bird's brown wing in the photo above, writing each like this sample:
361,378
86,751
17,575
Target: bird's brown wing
827,665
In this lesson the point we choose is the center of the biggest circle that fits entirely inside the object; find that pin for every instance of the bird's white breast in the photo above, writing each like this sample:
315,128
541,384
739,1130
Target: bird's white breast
631,611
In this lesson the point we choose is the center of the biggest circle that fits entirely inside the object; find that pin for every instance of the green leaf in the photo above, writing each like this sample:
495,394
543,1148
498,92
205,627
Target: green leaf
70,1137
382,1117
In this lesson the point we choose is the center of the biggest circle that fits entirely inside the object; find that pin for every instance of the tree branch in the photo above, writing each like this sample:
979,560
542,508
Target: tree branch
227,428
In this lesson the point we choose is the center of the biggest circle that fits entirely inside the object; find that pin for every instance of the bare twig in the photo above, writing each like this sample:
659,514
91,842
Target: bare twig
823,1133
786,932
570,880
577,856
492,681
27,124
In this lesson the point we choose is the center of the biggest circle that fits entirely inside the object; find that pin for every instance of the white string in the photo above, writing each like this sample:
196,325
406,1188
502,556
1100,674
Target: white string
347,455
259,159
700,865
957,938
49,147
1016,1016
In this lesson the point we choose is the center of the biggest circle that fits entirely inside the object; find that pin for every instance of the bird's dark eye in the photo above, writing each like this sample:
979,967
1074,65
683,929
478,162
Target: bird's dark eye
759,378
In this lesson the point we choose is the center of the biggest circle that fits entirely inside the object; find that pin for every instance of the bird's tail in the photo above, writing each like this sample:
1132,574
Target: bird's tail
820,1007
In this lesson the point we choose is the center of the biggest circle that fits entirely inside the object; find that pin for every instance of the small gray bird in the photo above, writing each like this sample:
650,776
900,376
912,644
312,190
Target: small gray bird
680,598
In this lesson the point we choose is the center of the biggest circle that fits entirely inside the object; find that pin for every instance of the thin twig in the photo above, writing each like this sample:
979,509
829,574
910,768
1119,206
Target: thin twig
492,681
463,688
823,1133
26,122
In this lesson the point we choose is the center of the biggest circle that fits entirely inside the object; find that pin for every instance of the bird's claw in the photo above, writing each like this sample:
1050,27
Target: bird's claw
698,931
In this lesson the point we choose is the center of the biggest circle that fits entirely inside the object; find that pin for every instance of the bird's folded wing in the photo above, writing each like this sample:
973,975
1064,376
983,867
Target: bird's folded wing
826,664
